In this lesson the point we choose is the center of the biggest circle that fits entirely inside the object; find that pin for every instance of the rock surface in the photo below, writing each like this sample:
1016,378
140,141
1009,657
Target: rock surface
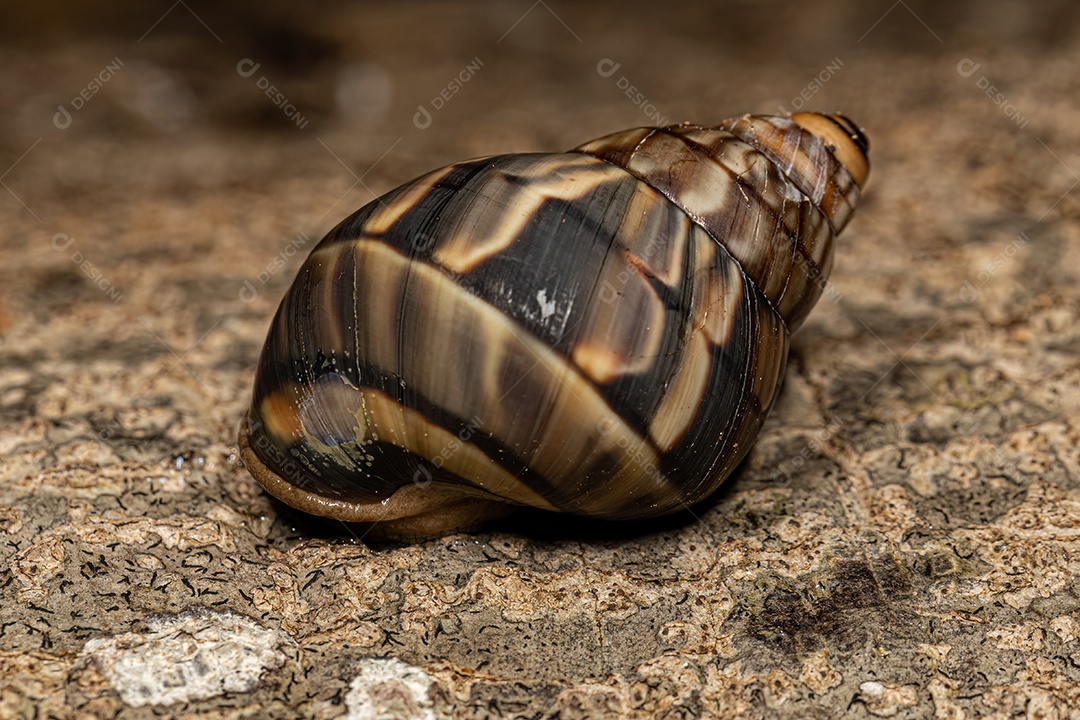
903,541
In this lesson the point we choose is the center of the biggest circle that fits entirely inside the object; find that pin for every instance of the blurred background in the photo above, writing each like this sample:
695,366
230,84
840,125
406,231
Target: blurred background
166,165
169,80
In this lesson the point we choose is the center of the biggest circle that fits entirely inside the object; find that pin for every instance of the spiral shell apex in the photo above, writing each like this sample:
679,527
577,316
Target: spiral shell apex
599,332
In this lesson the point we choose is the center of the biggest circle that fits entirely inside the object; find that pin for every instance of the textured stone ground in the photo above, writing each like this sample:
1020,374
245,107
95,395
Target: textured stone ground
904,539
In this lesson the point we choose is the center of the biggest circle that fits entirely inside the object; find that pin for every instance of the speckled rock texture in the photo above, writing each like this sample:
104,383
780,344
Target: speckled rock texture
903,541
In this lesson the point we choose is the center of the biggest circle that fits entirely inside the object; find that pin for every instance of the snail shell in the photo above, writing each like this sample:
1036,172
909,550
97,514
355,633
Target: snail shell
599,332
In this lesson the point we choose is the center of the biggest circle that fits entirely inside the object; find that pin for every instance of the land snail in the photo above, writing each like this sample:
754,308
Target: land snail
598,332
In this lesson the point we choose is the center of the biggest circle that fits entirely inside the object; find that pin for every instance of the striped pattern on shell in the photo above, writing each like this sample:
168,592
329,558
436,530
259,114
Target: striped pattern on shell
600,332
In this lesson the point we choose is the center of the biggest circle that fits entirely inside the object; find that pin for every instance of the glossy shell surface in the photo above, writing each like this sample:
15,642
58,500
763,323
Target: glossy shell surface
600,332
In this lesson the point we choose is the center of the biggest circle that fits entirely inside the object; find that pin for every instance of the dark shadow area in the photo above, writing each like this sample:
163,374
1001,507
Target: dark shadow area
292,525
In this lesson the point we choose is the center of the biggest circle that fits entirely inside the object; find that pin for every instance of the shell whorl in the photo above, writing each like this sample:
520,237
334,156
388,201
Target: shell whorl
772,190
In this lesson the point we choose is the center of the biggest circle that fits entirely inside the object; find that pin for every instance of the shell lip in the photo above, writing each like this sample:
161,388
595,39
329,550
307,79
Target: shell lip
412,512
